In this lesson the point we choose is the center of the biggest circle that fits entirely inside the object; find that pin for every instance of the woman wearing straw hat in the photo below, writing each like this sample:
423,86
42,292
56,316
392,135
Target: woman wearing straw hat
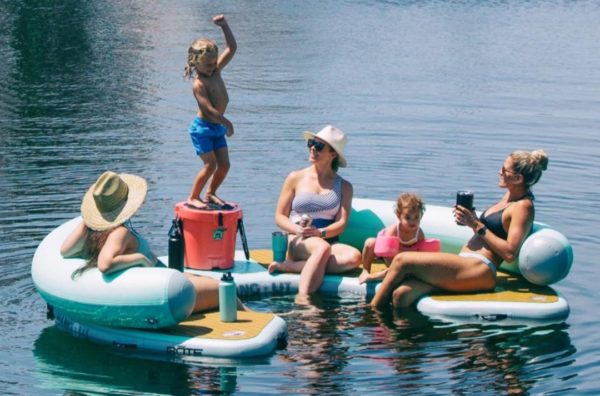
108,244
318,193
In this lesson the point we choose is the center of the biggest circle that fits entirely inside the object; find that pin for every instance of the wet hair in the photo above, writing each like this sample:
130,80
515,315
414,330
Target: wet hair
530,165
409,200
92,245
198,50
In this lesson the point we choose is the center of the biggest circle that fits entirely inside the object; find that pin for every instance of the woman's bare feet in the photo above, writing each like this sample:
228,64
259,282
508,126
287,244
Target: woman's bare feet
364,277
294,267
274,266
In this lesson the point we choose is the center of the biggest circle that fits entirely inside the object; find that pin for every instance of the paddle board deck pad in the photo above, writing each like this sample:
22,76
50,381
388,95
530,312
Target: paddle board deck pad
513,300
253,334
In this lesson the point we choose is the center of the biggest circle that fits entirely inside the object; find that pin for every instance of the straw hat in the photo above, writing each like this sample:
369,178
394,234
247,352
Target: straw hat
335,138
112,200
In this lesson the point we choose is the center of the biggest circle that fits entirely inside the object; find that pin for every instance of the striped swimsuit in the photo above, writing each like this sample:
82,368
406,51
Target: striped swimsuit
323,208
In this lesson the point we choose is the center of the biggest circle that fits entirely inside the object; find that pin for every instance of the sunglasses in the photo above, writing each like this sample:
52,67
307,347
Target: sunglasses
315,144
504,171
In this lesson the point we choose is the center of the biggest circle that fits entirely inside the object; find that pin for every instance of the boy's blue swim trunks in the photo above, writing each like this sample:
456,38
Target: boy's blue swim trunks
207,136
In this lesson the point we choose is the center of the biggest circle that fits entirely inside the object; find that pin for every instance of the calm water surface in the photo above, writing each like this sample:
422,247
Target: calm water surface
433,96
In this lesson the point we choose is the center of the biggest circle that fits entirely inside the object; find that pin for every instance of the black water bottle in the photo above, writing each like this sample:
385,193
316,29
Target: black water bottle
176,246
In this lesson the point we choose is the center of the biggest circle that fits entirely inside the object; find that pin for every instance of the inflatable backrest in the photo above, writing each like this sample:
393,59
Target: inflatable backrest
369,216
138,297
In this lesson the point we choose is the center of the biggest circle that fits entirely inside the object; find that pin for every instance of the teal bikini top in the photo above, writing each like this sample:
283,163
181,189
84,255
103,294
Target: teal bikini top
143,245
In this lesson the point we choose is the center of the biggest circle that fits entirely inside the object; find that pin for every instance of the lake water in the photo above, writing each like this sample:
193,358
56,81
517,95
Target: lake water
432,94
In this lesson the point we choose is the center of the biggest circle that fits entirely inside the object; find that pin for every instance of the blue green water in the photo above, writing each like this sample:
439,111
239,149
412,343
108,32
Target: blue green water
433,96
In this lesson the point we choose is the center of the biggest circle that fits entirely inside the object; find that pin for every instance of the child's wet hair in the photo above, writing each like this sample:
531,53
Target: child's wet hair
198,50
409,200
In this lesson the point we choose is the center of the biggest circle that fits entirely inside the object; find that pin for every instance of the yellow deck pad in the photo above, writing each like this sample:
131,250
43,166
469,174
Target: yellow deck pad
209,325
261,256
509,287
265,256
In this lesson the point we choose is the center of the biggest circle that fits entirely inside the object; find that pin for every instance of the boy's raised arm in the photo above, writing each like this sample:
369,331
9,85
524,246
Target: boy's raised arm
230,43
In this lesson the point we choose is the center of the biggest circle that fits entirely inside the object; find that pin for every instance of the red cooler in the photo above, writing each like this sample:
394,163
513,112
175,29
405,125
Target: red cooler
209,236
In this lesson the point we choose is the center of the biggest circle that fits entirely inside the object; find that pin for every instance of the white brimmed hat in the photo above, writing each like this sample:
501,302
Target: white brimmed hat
334,137
112,200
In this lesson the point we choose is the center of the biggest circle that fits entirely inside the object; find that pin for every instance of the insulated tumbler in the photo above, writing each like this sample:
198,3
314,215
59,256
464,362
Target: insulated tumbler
279,241
464,199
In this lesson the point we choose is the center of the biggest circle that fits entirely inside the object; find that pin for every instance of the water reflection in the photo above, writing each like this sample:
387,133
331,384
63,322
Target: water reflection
71,364
333,342
319,350
512,362
474,358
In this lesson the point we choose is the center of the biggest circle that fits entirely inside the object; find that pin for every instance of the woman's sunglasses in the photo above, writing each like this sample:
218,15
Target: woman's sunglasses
316,144
504,171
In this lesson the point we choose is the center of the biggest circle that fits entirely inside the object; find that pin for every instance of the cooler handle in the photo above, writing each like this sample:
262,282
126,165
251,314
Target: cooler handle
243,237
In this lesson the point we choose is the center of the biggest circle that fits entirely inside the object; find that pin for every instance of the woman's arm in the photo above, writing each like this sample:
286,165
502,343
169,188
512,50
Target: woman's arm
284,204
73,245
521,219
114,257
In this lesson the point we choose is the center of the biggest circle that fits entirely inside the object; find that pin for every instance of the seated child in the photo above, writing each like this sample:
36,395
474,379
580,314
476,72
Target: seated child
407,231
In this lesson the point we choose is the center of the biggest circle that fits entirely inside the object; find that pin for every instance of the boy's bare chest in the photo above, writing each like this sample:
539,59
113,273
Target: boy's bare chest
215,86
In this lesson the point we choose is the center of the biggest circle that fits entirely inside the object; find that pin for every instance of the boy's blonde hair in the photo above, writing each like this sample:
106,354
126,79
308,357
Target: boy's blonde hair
198,50
408,201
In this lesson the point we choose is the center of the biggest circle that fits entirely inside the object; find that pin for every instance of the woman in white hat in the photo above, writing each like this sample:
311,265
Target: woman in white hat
320,194
103,239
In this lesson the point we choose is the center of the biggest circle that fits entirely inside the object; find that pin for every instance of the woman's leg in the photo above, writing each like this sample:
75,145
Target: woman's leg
308,257
311,276
409,292
343,258
207,292
296,257
443,270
